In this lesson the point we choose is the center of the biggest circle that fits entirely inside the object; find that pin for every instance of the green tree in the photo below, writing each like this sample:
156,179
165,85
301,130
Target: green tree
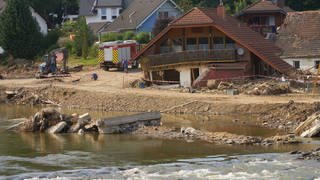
186,5
19,32
83,37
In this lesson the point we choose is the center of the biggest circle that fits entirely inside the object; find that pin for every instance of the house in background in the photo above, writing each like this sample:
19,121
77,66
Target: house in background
100,12
141,15
40,20
299,38
207,44
264,16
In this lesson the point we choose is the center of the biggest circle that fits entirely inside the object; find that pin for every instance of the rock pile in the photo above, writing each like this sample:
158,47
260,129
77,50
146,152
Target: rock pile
288,116
51,121
310,155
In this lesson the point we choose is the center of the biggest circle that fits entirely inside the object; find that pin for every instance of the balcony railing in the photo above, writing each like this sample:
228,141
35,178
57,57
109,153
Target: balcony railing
192,57
263,28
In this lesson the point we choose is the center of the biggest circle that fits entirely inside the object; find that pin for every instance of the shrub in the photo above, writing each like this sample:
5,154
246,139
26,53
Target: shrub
143,37
129,35
111,37
94,50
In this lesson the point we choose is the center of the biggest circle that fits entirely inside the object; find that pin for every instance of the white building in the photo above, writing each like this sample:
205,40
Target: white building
299,38
100,12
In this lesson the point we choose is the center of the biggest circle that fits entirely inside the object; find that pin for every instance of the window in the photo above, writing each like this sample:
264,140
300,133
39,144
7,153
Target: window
203,43
316,64
191,43
296,64
163,15
218,43
230,44
103,13
114,14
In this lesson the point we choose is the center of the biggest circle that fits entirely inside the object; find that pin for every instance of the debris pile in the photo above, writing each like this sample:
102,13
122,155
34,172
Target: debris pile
310,127
51,121
22,96
288,116
190,134
266,88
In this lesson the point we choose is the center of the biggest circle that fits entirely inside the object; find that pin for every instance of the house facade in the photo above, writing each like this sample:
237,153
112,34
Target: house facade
208,44
100,12
299,38
141,15
265,16
40,20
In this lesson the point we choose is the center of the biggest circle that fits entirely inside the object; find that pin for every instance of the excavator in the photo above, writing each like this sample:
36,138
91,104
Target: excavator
54,64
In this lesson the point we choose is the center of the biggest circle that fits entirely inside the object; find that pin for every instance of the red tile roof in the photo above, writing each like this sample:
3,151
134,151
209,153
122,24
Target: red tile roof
264,6
237,31
299,35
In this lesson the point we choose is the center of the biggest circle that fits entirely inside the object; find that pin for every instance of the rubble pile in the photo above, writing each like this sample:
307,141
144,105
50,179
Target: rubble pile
51,121
190,134
310,127
22,96
288,116
266,88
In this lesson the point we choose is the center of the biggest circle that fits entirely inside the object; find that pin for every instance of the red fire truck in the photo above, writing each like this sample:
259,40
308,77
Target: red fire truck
116,53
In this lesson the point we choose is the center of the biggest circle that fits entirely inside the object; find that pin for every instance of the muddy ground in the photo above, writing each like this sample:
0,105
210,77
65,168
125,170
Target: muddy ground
111,92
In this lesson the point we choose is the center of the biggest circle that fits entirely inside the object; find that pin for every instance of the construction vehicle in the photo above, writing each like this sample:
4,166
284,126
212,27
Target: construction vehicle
54,64
117,54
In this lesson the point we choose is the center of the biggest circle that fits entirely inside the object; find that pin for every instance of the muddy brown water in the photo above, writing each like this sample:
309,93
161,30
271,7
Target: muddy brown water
36,155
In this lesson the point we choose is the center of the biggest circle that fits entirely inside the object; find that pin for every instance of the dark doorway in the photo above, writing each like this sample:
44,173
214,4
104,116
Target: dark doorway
195,72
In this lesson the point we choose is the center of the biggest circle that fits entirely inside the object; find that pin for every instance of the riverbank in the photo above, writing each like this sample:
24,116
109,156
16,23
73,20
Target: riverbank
112,93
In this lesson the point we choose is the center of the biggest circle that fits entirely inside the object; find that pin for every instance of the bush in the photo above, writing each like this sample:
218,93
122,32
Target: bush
143,37
94,51
111,37
129,35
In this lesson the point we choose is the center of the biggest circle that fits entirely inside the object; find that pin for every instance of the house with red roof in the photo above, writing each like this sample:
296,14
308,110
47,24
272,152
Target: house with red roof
265,16
204,44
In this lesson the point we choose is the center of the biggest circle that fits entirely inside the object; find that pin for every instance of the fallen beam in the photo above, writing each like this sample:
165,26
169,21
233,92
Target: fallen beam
126,124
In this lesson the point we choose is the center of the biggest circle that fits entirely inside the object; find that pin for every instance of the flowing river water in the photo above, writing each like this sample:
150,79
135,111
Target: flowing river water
92,156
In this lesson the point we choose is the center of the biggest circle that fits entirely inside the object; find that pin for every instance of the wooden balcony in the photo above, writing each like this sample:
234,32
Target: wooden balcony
189,57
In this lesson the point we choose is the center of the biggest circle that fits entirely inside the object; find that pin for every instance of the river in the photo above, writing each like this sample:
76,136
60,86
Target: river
92,156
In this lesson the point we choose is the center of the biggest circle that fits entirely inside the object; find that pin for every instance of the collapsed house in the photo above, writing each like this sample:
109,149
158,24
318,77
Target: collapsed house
299,38
208,44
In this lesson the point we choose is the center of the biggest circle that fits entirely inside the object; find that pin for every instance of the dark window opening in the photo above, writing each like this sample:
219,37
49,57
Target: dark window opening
163,15
177,45
203,43
191,43
114,17
230,43
218,43
296,64
171,75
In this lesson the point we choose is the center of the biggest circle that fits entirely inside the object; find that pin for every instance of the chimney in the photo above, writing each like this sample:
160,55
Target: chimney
221,10
281,3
